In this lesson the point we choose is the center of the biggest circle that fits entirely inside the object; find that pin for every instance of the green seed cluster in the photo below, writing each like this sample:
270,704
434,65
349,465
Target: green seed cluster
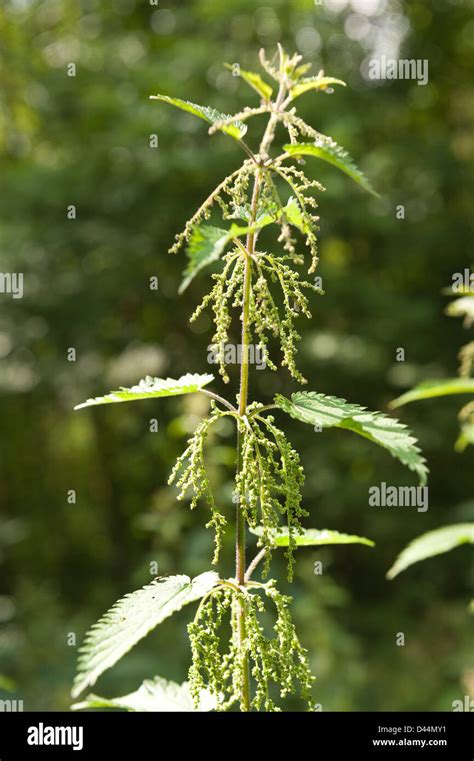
269,483
230,192
266,314
302,187
194,476
278,663
212,668
266,318
226,293
238,192
234,197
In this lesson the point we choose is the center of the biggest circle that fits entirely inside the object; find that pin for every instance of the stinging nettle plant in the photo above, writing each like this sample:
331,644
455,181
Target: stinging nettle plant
238,662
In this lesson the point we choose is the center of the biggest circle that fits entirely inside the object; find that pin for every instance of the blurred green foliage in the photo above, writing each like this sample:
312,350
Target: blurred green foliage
85,141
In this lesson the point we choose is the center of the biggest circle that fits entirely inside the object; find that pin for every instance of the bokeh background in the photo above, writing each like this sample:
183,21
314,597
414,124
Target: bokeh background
85,140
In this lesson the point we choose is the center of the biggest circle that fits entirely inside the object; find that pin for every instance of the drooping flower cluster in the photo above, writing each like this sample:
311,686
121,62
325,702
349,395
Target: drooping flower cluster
278,663
265,315
190,474
269,483
231,192
225,294
271,314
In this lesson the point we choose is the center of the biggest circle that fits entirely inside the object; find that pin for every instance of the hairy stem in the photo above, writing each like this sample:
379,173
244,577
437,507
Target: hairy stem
263,409
218,398
244,380
258,557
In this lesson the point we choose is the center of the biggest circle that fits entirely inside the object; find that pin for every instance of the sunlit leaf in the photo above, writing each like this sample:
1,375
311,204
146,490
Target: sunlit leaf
310,537
325,148
314,83
236,130
300,71
295,216
205,246
254,80
433,543
207,243
131,619
156,694
434,388
150,388
330,411
271,212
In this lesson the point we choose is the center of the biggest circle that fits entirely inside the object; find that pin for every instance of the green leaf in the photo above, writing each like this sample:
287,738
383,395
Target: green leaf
205,246
325,148
295,216
236,130
207,243
311,537
433,543
156,694
330,411
269,212
314,83
434,388
300,71
131,619
255,81
149,388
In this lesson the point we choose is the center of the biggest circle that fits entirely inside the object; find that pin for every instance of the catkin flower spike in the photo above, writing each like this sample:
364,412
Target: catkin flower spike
190,474
204,211
277,661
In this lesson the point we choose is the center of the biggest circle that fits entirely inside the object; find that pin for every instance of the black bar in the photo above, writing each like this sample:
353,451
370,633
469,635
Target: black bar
322,736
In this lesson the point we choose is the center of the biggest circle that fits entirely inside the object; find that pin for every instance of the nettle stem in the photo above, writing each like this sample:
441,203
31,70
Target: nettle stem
240,572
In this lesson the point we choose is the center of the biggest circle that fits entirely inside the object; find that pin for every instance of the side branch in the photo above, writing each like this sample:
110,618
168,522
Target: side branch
219,399
258,557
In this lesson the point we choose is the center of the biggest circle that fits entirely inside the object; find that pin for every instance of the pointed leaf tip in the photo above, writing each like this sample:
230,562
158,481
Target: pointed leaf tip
131,619
435,388
330,411
432,543
311,537
254,80
150,388
314,83
328,150
235,129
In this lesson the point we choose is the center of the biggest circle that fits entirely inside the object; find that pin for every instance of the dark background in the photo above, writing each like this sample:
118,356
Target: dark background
84,140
